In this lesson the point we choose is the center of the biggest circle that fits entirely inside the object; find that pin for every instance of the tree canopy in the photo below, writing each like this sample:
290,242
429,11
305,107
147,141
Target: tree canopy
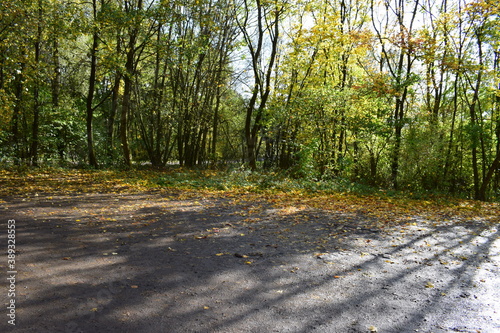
391,93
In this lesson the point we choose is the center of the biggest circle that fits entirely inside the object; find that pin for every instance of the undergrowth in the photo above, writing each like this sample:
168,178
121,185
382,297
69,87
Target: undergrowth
30,180
276,188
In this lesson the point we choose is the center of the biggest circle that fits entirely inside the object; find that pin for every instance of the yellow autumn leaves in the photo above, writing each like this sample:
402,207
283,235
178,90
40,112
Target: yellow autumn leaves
385,210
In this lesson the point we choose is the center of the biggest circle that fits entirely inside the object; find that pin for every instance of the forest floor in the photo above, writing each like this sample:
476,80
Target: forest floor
99,254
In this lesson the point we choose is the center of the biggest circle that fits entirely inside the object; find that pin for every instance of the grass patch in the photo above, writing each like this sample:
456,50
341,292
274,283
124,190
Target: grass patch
278,188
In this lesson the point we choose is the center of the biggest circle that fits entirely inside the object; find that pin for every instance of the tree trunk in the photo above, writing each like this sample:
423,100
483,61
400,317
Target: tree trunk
495,165
56,92
452,129
127,91
114,105
124,117
474,124
16,114
110,126
398,127
90,95
215,127
482,193
36,91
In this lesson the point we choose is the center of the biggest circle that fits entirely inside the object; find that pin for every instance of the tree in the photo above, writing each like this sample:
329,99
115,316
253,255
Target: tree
483,16
390,93
398,55
259,24
92,81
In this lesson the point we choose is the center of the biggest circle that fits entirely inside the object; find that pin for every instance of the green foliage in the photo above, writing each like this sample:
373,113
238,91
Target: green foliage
350,104
256,182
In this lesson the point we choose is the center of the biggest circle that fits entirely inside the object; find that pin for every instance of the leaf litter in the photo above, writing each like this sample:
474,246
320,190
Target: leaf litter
349,239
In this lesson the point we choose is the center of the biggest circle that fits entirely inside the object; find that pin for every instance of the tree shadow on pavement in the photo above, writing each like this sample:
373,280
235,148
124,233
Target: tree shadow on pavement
159,263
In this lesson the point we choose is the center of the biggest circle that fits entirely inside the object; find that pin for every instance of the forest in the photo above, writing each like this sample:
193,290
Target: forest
390,93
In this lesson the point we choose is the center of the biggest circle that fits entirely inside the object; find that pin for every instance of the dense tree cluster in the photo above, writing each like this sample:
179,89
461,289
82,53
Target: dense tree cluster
393,93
